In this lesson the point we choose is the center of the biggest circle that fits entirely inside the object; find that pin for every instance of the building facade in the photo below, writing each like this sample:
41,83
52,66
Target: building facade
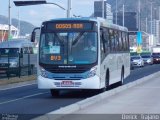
130,20
156,30
107,10
4,32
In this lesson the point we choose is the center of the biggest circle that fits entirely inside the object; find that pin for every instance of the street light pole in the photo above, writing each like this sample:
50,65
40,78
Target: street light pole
27,3
159,13
19,24
146,24
123,15
9,19
151,18
116,12
102,8
69,9
139,16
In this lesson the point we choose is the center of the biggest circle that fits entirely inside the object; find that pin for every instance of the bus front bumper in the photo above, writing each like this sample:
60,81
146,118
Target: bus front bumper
89,83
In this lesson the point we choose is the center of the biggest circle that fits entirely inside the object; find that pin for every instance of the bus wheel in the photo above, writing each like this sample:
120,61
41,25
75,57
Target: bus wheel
106,83
122,77
54,93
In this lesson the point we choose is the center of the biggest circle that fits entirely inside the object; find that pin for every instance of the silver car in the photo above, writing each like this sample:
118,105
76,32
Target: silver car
137,61
148,59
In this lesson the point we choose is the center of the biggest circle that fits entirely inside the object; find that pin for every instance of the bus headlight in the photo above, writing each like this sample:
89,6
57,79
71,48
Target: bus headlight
13,64
42,72
92,72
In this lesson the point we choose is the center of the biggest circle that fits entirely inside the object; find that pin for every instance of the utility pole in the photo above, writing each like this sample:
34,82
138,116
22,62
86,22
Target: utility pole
102,8
116,12
19,24
69,9
123,15
146,24
151,18
159,13
9,19
139,16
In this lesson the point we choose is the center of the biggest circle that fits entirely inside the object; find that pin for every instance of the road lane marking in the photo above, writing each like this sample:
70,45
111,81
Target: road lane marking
23,98
2,89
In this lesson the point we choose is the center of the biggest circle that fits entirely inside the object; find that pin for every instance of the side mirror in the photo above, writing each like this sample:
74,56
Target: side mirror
33,36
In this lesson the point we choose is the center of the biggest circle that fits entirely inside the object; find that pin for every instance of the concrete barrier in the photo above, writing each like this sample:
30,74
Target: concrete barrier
92,100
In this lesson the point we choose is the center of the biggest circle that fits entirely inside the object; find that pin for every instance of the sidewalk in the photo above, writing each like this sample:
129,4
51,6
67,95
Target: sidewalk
142,99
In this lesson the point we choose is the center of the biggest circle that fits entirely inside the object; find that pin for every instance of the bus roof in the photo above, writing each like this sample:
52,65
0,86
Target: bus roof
101,21
16,43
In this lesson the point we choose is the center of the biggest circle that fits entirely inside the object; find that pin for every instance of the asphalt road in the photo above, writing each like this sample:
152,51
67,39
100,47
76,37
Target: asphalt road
29,102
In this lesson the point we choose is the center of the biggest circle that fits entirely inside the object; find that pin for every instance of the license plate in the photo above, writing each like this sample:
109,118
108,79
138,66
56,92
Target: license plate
67,84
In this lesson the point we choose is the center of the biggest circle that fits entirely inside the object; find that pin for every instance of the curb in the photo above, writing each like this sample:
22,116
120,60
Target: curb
18,84
13,80
57,114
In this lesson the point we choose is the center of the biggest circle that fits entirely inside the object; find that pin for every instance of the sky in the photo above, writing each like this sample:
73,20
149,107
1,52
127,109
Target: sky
38,13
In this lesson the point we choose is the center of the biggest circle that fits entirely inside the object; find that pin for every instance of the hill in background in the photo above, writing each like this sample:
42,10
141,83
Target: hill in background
25,27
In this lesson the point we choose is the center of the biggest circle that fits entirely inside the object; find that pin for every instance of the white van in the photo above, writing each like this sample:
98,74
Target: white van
15,56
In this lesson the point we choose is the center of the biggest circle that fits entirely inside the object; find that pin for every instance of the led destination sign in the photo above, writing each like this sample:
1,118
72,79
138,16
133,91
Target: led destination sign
70,26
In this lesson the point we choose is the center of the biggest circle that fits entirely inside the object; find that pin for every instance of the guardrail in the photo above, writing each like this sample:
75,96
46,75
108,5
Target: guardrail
20,65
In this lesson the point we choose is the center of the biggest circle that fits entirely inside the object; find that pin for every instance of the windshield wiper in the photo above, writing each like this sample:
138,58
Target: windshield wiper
77,38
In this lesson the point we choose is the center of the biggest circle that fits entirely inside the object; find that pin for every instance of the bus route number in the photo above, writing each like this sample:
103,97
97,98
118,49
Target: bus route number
56,58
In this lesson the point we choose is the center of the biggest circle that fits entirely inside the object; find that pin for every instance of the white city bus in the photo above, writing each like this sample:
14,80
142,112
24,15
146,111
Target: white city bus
82,53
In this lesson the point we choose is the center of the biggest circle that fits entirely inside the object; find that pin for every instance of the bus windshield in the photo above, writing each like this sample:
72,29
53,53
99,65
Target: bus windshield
11,52
68,48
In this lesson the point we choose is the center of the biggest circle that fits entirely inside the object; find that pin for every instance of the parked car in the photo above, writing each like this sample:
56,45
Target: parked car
156,57
137,61
148,59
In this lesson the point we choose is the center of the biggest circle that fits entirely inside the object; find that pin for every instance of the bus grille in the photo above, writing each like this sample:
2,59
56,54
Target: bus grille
75,70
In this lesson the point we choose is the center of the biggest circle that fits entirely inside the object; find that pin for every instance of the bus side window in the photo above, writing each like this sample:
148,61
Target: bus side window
123,41
106,40
120,41
127,41
116,41
112,40
102,45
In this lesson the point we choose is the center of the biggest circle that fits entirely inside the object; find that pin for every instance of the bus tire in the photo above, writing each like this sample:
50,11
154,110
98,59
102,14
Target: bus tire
122,77
54,92
107,87
107,80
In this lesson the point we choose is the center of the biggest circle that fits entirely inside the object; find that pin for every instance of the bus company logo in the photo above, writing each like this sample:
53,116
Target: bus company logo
67,66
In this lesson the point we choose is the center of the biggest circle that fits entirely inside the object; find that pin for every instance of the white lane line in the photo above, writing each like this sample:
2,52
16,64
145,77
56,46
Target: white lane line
22,98
18,86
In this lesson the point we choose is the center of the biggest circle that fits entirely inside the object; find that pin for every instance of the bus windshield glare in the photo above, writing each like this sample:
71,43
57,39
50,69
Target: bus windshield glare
68,47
